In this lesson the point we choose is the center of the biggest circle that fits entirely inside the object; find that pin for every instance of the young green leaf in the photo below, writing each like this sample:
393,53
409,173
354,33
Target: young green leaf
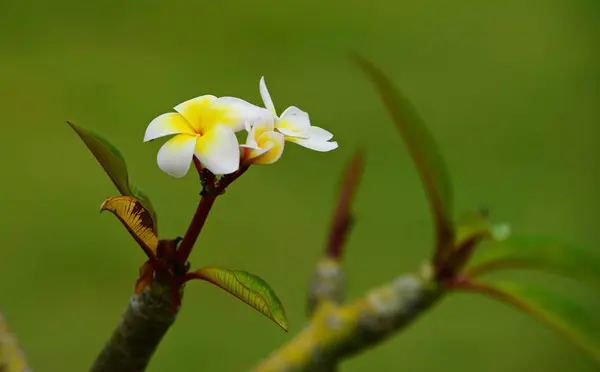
114,165
559,313
471,225
248,287
136,219
425,154
535,252
471,228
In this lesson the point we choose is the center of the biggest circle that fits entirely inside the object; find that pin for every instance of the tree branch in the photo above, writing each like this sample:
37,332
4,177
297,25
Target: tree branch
12,358
148,317
328,282
338,332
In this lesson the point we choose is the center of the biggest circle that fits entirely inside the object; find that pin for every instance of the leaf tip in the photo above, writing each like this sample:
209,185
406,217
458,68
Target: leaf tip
283,326
356,57
280,318
73,126
103,206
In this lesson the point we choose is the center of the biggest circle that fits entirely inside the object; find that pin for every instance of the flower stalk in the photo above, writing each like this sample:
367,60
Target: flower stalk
211,189
193,231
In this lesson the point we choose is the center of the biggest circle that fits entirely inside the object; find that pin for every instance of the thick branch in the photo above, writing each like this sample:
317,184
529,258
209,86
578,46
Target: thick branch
338,332
12,358
327,284
142,327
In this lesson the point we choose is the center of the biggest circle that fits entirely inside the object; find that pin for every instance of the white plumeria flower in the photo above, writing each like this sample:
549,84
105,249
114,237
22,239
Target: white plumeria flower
294,124
263,145
204,127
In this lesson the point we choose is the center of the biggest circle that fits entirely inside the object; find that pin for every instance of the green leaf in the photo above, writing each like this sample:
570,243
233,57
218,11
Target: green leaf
423,150
112,161
545,253
474,226
249,288
561,314
471,225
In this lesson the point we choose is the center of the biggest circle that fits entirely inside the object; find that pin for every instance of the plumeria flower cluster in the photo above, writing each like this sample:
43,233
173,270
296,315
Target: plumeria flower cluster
205,127
203,131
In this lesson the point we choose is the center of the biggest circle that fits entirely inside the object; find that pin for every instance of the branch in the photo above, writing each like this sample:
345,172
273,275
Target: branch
12,358
328,282
147,319
338,332
327,285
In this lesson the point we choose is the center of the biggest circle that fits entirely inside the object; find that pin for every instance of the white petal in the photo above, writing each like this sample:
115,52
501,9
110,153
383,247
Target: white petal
321,146
250,146
167,124
290,133
266,97
273,144
175,156
248,127
251,139
218,150
317,133
193,110
253,153
262,127
295,119
235,113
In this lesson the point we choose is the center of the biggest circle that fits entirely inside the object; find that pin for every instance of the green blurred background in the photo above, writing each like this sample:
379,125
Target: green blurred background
509,88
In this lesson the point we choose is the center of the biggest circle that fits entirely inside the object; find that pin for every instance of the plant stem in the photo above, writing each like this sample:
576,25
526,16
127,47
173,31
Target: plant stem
337,332
204,206
339,233
198,221
147,319
342,218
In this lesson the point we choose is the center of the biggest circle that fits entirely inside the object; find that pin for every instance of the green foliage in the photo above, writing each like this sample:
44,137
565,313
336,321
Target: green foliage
424,152
471,225
249,288
535,252
561,314
113,162
474,226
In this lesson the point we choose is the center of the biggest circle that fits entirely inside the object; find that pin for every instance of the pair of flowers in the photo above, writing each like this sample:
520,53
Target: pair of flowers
206,127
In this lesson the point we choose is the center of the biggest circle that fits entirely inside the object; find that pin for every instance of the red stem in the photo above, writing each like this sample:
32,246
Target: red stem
191,276
342,217
339,233
211,190
191,235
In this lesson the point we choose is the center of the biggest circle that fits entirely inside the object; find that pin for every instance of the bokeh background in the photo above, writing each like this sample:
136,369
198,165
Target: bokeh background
509,88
